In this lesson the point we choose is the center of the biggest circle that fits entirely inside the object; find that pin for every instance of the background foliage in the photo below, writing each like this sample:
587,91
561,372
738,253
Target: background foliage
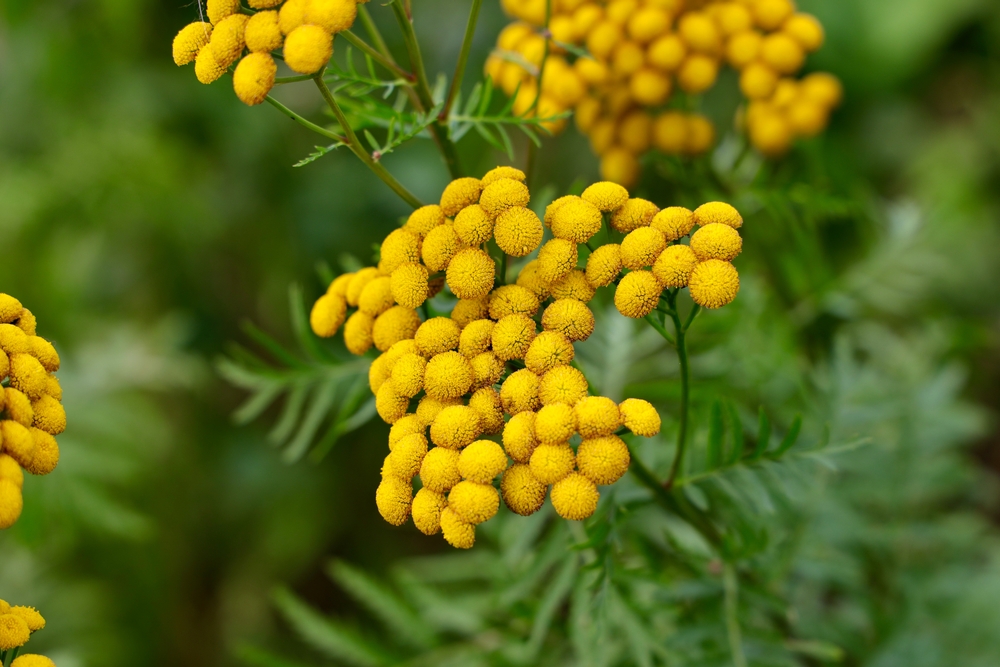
145,218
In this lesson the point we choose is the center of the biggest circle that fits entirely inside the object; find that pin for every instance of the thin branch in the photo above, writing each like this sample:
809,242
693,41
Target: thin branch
732,617
463,58
305,123
291,79
377,57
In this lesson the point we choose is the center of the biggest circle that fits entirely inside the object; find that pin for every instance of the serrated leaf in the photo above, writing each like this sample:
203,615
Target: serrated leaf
790,438
257,403
736,426
763,435
290,414
319,407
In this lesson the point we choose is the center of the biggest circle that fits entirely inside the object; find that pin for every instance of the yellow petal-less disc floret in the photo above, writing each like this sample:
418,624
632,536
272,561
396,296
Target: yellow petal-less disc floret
471,274
13,340
407,456
400,247
469,310
604,265
641,247
519,392
519,436
574,285
512,300
575,497
716,241
455,427
10,307
555,424
340,284
188,42
408,375
254,78
396,324
332,15
637,294
674,266
522,492
503,194
512,336
475,338
806,30
34,620
378,373
714,283
473,225
307,49
390,404
49,415
376,297
518,230
457,532
14,632
426,509
393,498
603,460
18,407
597,416
482,461
10,470
496,174
263,34
405,426
448,375
548,350
556,258
357,283
570,317
439,469
633,214
620,165
530,278
424,219
206,68
45,352
562,384
437,335
576,220
409,285
32,660
474,502
782,53
486,402
770,14
11,505
551,463
358,333
606,196
460,193
227,40
27,375
717,212
486,369
640,417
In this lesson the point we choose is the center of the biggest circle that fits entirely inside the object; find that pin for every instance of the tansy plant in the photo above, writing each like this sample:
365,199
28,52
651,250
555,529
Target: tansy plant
17,625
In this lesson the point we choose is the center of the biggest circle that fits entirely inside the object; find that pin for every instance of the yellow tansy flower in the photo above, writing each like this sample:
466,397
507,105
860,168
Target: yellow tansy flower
460,193
603,460
473,225
522,492
604,265
633,214
358,332
448,375
575,497
437,335
486,402
503,194
471,274
640,417
473,502
396,324
641,247
714,283
455,427
456,531
550,463
393,498
562,384
519,392
426,509
512,300
548,350
439,469
674,266
606,196
597,416
518,231
569,316
637,294
482,461
716,241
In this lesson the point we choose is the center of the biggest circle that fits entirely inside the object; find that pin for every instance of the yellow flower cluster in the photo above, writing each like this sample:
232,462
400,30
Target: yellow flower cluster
17,624
31,412
302,29
637,52
483,392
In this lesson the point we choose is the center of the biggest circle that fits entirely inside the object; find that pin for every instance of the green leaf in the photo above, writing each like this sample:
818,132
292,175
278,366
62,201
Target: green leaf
790,438
716,433
258,401
763,435
554,597
300,325
319,407
737,430
258,657
290,413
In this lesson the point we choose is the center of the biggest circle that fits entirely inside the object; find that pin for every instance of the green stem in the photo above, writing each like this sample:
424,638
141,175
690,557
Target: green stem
732,615
694,313
682,357
463,58
373,33
305,123
376,56
292,79
355,145
440,128
660,329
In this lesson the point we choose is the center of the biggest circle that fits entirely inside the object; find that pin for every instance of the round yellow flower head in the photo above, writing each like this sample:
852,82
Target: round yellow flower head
397,350
52,389
50,416
562,384
555,424
758,81
650,87
519,392
13,340
10,307
667,53
18,408
714,283
457,532
732,17
574,285
14,632
698,73
217,10
426,509
358,282
460,193
522,492
333,15
407,456
637,294
227,39
396,324
597,416
716,241
641,247
390,404
550,463
603,460
806,30
11,504
770,14
45,352
770,133
807,118
503,194
556,259
409,285
512,300
633,214
439,246
32,660
263,33
206,68
455,427
604,265
674,266
26,322
486,369
358,332
519,436
548,350
27,375
439,469
700,32
530,278
393,497
569,316
475,338
496,174
307,49
782,53
424,219
718,213
403,427
187,44
743,48
471,274
606,196
823,88
400,247
619,165
376,297
482,461
518,231
512,335
254,78
292,14
640,417
576,220
473,502
408,375
340,284
10,471
437,335
575,497
486,402
448,375
470,310
635,131
473,226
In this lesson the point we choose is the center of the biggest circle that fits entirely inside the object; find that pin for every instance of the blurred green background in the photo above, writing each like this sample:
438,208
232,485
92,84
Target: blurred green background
144,217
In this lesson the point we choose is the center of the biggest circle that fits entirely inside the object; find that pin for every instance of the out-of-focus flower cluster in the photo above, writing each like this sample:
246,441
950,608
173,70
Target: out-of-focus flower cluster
31,412
491,389
302,29
17,625
617,64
